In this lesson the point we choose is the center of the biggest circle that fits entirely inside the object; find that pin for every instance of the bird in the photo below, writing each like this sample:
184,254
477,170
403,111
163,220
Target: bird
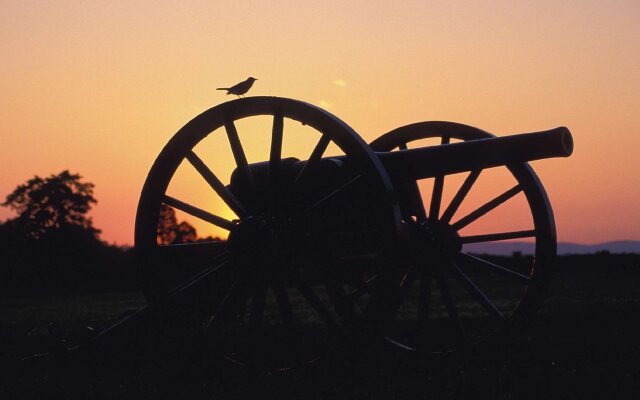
241,88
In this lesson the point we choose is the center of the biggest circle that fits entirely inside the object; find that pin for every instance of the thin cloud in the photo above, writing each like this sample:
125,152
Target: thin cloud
325,104
340,82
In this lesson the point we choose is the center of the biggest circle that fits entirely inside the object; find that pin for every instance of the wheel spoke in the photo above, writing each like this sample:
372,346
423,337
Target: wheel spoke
436,198
460,195
424,298
315,302
408,279
284,304
406,282
198,213
258,300
342,304
491,267
449,303
188,258
416,196
198,279
315,156
223,304
436,195
275,157
365,287
215,183
485,208
492,237
476,293
238,152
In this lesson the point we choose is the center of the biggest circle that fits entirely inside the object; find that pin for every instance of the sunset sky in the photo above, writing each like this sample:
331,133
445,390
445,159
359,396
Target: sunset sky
99,87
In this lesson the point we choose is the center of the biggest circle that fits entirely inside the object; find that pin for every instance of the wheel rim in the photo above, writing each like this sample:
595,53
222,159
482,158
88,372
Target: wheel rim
271,250
451,270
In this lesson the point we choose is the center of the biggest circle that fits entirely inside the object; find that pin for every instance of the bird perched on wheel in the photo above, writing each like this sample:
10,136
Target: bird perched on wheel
241,88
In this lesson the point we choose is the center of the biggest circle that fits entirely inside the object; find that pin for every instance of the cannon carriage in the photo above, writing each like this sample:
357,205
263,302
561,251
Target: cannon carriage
340,243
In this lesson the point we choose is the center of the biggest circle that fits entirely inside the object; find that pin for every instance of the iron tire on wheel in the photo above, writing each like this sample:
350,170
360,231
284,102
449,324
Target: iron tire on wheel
221,267
434,222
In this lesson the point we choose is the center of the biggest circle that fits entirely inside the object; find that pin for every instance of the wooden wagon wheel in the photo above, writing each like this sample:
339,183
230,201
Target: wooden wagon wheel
447,296
283,249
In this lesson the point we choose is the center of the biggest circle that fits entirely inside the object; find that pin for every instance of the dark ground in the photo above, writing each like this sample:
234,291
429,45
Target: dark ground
585,344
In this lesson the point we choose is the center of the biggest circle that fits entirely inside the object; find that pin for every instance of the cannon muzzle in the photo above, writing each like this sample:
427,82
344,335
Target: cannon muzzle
471,155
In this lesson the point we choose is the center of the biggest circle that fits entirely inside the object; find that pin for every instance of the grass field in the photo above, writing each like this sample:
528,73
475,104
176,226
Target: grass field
583,345
35,316
31,325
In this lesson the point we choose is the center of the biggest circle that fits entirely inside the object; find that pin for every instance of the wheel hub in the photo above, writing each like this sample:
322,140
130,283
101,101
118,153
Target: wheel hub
250,233
262,238
435,239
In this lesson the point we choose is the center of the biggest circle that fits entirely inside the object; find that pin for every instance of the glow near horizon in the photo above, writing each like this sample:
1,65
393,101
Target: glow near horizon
99,87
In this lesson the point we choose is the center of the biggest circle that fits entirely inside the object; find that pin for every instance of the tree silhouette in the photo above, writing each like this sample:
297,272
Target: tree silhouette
51,245
166,225
185,233
172,232
59,203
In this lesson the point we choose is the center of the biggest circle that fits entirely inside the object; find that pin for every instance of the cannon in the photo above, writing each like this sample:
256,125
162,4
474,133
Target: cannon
345,242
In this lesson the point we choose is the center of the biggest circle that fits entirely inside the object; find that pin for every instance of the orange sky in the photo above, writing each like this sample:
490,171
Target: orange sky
99,87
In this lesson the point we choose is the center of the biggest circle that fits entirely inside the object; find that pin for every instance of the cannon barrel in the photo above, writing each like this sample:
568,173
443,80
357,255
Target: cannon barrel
427,162
452,158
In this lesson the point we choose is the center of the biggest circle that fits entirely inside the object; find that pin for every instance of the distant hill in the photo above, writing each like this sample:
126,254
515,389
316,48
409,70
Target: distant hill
508,248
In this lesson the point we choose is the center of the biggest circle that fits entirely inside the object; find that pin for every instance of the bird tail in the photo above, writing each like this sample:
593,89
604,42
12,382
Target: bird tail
222,88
